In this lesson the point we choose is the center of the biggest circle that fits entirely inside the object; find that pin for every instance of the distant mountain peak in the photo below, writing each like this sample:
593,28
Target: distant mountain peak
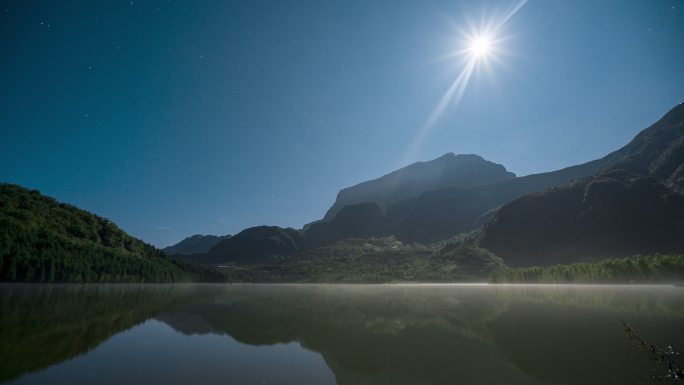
194,244
449,170
448,155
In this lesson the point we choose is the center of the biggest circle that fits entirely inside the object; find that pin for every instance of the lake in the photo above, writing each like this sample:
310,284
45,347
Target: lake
336,334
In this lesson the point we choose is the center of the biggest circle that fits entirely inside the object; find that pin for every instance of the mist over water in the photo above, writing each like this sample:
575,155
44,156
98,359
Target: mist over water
333,334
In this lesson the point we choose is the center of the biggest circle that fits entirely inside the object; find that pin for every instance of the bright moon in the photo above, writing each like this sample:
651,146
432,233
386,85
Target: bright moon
480,46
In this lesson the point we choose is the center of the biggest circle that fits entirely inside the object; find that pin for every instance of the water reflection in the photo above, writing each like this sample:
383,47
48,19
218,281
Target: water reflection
384,334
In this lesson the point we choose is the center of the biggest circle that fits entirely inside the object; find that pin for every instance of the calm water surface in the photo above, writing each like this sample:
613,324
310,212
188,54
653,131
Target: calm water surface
334,334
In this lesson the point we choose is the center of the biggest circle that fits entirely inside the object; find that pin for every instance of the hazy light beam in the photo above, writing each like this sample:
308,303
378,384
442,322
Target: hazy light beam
509,15
454,94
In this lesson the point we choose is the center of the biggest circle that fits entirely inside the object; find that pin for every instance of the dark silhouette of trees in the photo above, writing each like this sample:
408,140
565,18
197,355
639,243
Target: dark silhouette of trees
637,269
42,240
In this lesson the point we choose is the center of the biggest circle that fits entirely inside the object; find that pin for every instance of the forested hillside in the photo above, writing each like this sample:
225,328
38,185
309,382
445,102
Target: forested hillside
43,240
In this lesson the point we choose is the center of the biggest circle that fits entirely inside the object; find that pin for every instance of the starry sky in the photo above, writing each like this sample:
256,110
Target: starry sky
179,117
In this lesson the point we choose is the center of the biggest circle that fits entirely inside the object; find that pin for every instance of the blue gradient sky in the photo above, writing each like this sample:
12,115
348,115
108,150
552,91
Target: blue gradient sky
173,118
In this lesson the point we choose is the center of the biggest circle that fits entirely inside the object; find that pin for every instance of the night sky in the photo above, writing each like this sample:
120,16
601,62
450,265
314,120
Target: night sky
179,117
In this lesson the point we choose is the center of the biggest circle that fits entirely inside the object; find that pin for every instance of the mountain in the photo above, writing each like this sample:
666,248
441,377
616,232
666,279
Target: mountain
432,201
194,244
432,216
448,170
261,244
441,214
614,214
43,240
438,214
362,220
632,205
657,151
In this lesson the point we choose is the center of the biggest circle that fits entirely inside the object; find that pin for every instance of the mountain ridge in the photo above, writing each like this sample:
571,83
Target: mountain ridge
439,214
448,170
194,244
633,205
436,215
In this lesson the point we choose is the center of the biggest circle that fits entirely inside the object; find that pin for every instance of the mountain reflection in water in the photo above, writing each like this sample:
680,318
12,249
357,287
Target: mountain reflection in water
320,334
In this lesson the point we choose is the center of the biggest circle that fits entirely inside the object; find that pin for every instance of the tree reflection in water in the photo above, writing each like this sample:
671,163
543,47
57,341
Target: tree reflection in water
412,334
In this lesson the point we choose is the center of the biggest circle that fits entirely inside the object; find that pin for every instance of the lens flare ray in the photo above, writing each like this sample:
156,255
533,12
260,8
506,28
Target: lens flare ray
481,48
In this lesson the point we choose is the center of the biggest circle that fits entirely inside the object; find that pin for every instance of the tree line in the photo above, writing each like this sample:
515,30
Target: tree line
42,240
636,269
